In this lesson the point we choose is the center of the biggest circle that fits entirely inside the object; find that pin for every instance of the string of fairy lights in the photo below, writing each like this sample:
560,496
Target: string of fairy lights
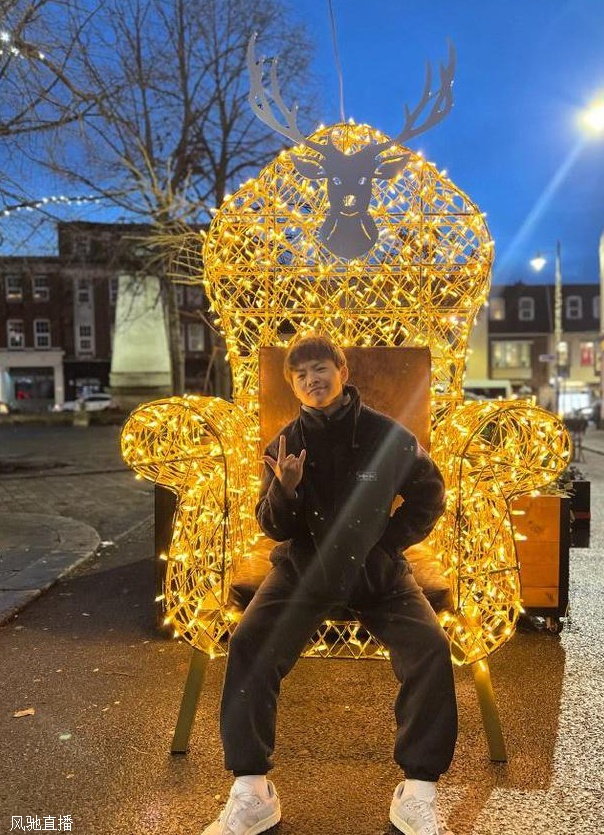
10,49
268,275
47,202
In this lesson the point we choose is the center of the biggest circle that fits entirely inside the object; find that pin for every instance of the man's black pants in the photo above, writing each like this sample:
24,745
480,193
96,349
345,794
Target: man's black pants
273,632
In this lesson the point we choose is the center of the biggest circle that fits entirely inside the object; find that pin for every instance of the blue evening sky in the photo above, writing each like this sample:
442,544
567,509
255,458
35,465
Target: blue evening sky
525,70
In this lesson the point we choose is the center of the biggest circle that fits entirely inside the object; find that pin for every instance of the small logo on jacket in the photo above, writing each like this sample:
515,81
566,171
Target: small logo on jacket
367,475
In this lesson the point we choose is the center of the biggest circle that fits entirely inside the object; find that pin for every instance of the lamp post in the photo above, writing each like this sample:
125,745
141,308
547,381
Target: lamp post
592,122
600,416
537,264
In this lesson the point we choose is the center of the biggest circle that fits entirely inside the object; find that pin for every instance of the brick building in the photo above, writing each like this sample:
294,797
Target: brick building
57,316
521,345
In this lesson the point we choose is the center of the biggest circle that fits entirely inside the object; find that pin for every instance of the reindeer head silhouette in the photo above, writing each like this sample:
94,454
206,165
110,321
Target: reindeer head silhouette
348,231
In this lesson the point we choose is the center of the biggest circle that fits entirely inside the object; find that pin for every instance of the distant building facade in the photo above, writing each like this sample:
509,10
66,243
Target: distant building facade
57,317
521,342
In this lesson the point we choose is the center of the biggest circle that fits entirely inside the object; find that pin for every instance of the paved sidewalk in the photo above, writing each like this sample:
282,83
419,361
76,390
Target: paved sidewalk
36,550
594,440
64,493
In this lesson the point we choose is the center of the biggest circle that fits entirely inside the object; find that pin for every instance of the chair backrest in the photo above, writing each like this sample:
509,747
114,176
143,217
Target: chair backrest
395,381
422,284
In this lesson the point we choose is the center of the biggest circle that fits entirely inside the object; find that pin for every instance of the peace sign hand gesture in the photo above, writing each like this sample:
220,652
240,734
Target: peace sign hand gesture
287,468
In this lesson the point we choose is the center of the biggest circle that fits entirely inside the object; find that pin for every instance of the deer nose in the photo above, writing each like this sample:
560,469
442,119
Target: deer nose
350,201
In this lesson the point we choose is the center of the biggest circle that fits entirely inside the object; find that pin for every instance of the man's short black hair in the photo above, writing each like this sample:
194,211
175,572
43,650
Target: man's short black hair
312,347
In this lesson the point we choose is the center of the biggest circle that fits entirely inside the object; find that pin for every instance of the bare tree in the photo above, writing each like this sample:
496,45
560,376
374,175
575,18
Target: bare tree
39,91
170,130
39,94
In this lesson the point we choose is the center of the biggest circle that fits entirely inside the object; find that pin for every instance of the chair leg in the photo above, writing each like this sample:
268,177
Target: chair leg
490,715
188,705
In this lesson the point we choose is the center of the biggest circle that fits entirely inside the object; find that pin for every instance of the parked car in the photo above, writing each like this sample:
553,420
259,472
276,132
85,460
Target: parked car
590,413
89,403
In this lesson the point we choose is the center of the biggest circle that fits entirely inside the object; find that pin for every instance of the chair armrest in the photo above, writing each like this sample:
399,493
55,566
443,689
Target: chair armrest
512,446
489,453
171,441
205,450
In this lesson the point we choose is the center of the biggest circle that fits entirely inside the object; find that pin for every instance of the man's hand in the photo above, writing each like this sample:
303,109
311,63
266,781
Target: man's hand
287,468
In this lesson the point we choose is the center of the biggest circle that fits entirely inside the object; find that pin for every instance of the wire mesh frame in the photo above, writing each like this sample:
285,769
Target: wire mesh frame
267,274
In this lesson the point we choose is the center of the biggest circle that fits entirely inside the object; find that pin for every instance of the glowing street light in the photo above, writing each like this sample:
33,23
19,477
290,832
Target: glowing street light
592,118
538,262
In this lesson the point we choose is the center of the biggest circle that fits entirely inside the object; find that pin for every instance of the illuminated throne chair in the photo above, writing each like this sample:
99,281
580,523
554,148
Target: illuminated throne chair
274,266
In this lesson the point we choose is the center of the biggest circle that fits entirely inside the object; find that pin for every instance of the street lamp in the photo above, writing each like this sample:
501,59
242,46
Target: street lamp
592,122
592,118
537,263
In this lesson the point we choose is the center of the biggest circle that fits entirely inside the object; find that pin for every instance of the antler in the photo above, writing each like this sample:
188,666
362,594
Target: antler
260,100
442,101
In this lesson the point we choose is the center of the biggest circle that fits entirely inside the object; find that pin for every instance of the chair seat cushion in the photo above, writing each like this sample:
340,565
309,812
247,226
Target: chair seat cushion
252,570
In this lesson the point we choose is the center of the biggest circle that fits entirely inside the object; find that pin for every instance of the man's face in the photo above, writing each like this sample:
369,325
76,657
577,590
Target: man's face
319,384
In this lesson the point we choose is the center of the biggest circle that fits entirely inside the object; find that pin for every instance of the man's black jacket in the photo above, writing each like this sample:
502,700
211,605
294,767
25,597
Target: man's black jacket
337,534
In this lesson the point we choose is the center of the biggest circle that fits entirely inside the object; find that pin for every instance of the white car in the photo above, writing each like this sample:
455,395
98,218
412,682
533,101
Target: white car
590,413
90,403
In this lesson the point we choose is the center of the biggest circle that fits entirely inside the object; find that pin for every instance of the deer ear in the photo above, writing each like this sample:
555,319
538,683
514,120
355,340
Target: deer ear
309,167
391,167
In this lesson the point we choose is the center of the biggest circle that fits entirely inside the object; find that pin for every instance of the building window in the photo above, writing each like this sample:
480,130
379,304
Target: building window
180,295
587,354
194,296
40,288
41,333
526,309
80,246
84,291
15,333
34,384
513,354
497,310
85,339
574,307
14,288
113,285
595,310
196,337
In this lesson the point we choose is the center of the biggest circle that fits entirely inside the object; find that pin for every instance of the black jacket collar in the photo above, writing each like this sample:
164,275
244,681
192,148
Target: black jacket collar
314,422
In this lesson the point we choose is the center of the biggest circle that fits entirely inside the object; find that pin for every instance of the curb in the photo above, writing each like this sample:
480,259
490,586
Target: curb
102,418
592,449
48,547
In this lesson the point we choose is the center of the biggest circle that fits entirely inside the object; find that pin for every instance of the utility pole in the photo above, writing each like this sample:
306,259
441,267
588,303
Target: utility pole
557,326
600,421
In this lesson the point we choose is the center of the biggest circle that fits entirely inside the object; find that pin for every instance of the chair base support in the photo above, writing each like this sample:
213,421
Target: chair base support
197,671
188,706
490,715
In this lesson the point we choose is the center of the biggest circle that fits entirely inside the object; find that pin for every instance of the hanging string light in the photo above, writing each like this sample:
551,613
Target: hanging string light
43,202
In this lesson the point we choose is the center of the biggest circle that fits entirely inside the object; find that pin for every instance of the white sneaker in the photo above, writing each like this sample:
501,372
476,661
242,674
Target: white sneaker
413,816
247,814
